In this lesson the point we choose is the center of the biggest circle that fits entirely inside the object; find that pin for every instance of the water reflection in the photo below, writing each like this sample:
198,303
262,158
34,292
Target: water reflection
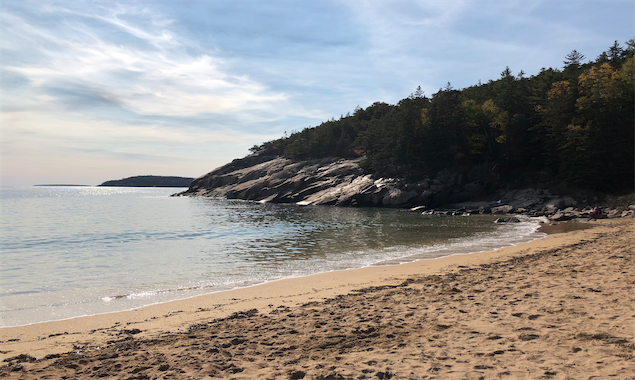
272,234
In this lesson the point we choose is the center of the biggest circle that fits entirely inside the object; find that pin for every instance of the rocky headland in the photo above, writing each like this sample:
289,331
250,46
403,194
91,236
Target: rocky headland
343,182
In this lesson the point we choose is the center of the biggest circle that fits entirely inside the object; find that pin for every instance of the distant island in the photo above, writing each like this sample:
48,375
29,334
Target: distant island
150,181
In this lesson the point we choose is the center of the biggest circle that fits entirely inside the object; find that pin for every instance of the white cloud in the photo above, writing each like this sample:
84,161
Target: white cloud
117,91
163,80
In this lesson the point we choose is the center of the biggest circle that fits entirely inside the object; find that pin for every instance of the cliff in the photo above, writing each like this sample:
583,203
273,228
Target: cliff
328,181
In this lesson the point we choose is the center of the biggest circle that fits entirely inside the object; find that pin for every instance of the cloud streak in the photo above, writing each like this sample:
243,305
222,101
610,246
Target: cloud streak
164,80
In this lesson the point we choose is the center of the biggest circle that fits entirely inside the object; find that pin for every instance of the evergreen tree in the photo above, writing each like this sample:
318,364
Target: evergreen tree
573,59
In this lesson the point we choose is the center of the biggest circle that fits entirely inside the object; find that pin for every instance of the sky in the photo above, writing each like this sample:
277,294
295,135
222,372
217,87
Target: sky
93,91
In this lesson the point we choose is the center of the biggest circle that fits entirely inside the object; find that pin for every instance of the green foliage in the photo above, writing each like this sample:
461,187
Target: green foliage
573,127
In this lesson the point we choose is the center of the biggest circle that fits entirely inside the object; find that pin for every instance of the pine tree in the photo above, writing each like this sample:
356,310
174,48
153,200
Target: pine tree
574,58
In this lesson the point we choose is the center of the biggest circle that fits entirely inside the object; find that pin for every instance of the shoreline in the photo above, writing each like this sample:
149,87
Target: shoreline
41,339
443,250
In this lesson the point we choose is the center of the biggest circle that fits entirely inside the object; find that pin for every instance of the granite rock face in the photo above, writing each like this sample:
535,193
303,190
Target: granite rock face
342,182
328,181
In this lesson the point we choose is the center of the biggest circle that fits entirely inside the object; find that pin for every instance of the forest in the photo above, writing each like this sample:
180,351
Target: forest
569,127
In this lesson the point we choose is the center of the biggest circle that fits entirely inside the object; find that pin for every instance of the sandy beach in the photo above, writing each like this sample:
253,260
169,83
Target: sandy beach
561,307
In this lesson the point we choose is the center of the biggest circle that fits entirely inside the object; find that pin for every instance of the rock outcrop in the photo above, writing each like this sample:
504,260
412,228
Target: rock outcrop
342,182
328,181
534,203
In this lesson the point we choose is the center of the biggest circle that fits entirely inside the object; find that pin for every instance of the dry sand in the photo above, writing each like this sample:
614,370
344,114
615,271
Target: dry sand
556,308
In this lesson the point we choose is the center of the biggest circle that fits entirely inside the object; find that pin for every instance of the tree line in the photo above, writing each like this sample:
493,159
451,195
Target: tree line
572,126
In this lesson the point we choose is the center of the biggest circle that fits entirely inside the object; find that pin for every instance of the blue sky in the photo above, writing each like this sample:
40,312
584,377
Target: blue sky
99,90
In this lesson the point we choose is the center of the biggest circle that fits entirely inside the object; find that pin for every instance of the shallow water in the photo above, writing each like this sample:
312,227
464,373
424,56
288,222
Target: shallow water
72,251
560,228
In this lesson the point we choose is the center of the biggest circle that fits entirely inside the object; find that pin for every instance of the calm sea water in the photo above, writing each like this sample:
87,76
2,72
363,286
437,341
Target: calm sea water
73,251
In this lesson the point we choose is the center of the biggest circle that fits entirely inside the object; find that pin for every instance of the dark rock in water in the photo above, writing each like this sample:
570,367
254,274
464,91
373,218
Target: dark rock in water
513,219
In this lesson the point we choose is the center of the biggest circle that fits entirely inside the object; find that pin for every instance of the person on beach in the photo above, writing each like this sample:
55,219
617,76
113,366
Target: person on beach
596,212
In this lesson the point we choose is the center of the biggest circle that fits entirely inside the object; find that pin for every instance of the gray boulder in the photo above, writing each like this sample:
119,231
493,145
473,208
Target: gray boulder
560,217
503,209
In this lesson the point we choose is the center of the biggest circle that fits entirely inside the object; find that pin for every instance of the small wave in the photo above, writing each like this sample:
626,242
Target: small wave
505,236
152,293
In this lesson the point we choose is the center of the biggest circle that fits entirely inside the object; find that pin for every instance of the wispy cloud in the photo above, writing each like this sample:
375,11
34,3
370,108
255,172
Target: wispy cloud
162,77
100,83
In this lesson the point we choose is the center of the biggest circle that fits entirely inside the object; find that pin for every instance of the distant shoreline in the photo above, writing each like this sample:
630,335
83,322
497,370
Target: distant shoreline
63,185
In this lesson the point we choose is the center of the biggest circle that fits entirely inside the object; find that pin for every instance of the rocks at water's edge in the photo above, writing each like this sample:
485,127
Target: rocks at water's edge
342,182
553,208
328,181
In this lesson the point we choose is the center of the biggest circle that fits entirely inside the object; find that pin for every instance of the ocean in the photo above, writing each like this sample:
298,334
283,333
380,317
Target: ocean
73,251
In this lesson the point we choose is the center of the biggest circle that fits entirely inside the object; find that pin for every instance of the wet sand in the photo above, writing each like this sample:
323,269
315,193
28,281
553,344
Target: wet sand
559,308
